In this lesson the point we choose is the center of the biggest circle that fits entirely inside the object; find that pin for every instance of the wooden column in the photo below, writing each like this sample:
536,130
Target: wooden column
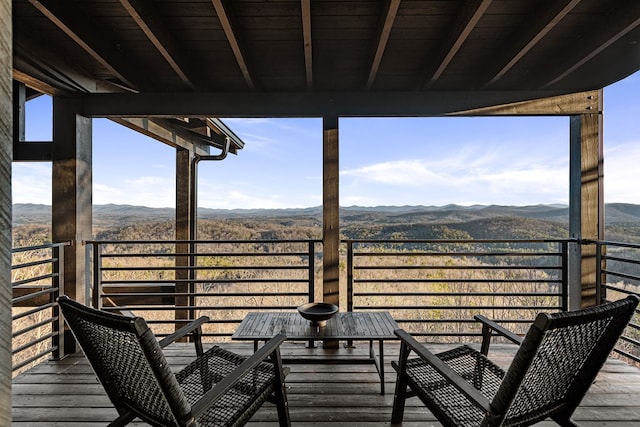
330,216
6,144
586,209
184,227
330,211
72,194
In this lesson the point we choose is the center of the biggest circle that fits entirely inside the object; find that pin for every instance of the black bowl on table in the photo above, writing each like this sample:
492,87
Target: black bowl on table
318,312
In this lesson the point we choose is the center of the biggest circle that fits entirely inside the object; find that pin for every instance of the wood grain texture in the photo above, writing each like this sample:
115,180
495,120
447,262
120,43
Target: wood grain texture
330,211
65,393
344,325
6,144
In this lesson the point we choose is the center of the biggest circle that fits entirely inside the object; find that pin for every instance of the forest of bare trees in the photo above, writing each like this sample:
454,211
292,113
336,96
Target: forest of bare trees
433,276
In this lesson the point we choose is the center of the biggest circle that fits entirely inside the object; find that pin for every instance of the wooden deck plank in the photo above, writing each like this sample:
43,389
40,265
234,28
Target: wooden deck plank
66,393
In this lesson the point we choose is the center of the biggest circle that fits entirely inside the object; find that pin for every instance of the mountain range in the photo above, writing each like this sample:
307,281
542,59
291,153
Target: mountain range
125,222
615,213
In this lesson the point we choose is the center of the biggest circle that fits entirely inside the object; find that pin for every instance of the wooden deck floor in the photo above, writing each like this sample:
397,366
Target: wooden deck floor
65,393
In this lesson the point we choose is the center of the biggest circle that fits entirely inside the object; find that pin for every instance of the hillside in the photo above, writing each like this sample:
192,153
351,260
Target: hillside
31,222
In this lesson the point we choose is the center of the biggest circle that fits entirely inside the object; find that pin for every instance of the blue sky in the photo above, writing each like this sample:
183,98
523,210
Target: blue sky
392,161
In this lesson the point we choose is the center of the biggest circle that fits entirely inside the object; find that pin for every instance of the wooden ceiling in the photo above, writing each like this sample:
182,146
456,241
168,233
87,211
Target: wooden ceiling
388,53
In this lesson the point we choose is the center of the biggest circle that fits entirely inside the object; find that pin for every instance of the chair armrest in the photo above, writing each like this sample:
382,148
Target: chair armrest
230,380
187,329
488,326
126,312
474,396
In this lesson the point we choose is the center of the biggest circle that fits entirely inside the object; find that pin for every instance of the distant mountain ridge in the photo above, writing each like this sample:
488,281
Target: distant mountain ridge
125,222
615,213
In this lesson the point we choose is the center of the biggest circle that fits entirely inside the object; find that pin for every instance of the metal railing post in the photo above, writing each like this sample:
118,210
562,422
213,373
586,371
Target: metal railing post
193,276
58,319
600,291
565,275
312,272
349,276
97,275
574,275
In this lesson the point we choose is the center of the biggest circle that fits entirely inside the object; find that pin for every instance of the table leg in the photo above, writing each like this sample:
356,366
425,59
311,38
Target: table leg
378,364
381,366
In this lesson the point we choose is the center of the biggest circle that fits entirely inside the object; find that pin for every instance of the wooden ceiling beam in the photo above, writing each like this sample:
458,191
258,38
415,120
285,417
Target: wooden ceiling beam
466,22
83,31
144,14
571,104
389,16
223,9
304,104
522,42
39,83
622,19
160,130
49,73
308,46
185,133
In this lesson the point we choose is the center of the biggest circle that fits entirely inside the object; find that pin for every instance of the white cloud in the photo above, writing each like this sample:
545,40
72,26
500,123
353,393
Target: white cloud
256,133
621,173
245,195
31,183
231,199
494,176
152,191
399,172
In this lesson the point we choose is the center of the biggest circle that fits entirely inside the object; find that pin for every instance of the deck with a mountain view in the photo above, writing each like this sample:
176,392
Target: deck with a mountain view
65,393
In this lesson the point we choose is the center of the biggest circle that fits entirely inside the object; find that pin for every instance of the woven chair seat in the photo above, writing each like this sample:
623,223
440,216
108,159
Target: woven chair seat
471,365
237,405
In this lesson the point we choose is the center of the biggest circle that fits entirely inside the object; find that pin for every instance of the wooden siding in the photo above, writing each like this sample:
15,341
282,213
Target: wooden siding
6,142
65,393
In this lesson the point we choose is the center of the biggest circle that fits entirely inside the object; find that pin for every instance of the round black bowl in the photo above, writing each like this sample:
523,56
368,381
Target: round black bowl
318,312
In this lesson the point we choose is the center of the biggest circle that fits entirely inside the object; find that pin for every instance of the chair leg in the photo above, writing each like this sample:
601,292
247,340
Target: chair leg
399,398
283,406
280,391
122,420
400,394
565,422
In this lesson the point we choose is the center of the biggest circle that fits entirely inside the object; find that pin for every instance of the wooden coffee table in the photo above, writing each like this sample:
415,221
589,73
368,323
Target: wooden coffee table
352,326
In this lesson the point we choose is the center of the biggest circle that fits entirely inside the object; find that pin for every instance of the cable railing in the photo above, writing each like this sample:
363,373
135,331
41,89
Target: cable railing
618,275
37,275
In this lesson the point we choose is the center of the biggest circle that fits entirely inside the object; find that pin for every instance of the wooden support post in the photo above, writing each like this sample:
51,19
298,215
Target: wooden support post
6,144
586,210
184,228
19,111
72,195
330,215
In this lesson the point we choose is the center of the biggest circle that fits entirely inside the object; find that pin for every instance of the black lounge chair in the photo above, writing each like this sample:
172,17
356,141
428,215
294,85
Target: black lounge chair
554,366
219,388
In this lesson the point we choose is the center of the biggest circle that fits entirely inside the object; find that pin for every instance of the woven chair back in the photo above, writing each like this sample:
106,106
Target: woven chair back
129,363
558,360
